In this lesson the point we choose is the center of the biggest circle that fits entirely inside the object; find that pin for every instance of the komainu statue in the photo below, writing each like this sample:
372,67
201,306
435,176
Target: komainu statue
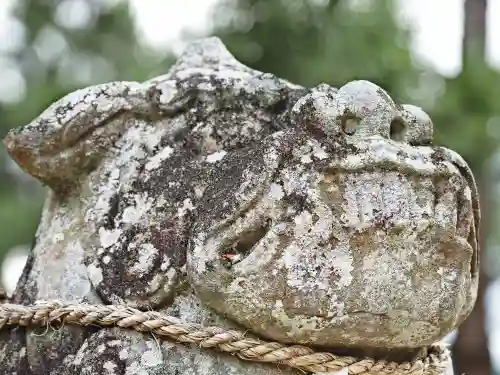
226,197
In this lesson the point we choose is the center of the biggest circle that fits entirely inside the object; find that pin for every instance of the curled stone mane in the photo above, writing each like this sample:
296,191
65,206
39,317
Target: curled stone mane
198,104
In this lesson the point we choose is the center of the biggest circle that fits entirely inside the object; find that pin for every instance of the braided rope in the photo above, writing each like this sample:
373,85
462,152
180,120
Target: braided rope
228,341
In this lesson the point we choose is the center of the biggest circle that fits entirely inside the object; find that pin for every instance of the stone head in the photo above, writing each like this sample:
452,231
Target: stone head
318,216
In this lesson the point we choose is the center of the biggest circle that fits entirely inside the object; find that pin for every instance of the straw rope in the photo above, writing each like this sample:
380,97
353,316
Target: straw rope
227,341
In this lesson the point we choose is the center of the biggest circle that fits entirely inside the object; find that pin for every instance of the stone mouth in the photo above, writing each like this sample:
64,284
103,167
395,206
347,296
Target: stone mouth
233,251
235,245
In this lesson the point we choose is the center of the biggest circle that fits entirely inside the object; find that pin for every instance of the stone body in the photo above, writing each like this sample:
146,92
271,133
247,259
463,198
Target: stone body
230,197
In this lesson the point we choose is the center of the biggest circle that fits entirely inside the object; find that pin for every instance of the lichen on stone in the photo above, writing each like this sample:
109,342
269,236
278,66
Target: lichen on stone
231,197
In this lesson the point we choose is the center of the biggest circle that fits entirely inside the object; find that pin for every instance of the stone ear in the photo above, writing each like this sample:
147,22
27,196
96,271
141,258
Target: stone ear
71,136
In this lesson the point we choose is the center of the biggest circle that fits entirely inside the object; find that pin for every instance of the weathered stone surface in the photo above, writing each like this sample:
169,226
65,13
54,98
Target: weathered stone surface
354,241
227,196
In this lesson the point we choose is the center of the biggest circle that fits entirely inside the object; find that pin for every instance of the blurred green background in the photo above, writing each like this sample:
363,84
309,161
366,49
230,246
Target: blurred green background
50,52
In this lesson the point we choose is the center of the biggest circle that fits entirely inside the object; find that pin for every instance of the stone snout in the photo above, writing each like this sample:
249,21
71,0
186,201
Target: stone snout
357,241
361,109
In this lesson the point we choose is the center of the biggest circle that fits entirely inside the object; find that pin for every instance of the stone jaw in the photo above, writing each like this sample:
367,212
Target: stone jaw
315,216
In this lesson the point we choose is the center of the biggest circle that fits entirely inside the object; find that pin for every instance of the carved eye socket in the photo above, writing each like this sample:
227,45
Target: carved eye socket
398,129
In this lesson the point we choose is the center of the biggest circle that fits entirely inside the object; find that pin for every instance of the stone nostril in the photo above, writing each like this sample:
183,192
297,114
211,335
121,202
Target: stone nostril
398,129
419,125
349,123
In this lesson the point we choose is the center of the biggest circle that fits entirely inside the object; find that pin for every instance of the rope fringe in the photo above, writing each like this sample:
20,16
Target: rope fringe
227,341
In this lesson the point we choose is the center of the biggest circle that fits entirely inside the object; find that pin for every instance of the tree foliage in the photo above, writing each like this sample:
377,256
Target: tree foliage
315,41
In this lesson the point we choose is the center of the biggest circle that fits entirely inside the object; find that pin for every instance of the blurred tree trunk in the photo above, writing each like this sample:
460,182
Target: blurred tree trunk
470,351
474,36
